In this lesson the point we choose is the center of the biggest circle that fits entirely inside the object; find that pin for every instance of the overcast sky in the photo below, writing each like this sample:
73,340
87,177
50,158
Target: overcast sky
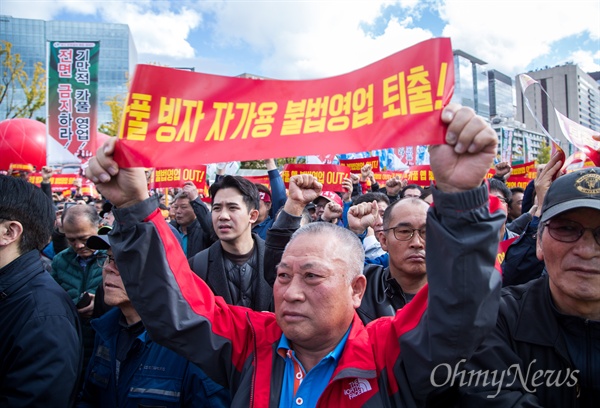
316,39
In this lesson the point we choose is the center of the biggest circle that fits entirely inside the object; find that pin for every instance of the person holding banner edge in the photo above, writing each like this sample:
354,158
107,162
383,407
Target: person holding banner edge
387,363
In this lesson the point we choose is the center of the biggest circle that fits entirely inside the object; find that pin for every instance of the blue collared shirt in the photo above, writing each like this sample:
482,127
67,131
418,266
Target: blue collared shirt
312,383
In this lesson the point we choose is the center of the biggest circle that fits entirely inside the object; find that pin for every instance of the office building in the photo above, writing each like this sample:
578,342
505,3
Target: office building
501,95
118,54
471,83
569,90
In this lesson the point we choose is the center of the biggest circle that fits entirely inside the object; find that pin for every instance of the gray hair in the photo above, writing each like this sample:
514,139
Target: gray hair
346,241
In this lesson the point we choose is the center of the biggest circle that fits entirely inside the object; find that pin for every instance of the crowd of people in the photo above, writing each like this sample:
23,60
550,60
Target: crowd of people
374,296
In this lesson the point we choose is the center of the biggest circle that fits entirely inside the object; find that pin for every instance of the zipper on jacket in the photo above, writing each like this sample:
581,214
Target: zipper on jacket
254,362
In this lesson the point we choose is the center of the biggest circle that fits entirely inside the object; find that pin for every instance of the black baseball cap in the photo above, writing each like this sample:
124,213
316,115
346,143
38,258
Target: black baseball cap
99,241
578,189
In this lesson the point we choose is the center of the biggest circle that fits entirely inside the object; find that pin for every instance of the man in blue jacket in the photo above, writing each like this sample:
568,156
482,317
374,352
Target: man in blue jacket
127,368
40,344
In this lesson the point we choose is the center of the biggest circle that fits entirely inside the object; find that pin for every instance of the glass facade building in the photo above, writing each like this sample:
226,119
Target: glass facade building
501,95
118,55
471,83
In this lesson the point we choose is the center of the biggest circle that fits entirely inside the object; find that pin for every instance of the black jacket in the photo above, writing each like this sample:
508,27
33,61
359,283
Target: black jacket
40,337
521,263
208,264
197,238
528,335
383,295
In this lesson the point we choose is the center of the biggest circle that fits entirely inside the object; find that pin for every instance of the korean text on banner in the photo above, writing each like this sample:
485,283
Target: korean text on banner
330,175
73,95
173,114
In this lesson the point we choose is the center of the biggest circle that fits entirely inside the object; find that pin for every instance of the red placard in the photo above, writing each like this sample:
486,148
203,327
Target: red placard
264,180
330,175
420,175
59,182
356,164
178,176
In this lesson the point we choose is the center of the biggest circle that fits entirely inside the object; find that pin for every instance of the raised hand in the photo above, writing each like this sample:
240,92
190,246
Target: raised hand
122,187
191,190
348,187
332,212
393,186
463,161
362,216
303,189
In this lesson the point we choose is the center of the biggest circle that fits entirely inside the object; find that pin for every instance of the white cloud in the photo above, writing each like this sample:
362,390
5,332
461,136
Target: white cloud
160,32
310,39
510,34
44,9
587,61
300,40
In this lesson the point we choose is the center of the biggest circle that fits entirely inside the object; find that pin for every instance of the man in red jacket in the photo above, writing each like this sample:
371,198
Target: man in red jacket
314,350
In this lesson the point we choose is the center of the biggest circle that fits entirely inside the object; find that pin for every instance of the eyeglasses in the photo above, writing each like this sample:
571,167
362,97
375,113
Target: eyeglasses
569,231
102,258
403,233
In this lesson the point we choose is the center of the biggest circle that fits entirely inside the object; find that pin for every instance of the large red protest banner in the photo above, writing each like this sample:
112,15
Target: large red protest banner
174,114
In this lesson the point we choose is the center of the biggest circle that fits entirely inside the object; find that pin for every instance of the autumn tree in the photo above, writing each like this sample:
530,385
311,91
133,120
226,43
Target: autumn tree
543,155
116,104
20,96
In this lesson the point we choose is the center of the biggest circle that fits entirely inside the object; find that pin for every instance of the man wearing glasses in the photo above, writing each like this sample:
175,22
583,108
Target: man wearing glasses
547,340
127,368
403,238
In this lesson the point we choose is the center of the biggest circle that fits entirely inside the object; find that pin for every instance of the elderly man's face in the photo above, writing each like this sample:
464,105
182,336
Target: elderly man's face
77,231
184,212
573,267
314,296
114,290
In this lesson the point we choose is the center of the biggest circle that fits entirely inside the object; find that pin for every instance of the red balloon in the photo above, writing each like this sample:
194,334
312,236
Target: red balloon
22,141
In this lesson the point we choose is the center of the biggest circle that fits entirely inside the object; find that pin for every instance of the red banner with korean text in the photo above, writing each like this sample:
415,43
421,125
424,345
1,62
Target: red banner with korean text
330,175
178,176
420,175
20,167
173,114
264,180
502,248
382,176
58,182
356,164
527,170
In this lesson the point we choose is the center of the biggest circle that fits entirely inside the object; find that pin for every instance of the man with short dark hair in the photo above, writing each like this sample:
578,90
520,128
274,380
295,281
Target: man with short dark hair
40,345
411,190
233,266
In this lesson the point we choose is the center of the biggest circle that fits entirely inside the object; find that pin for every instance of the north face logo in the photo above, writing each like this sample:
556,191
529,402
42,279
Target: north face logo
357,387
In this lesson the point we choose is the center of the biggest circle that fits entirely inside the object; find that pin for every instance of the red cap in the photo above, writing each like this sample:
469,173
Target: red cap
331,196
264,196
